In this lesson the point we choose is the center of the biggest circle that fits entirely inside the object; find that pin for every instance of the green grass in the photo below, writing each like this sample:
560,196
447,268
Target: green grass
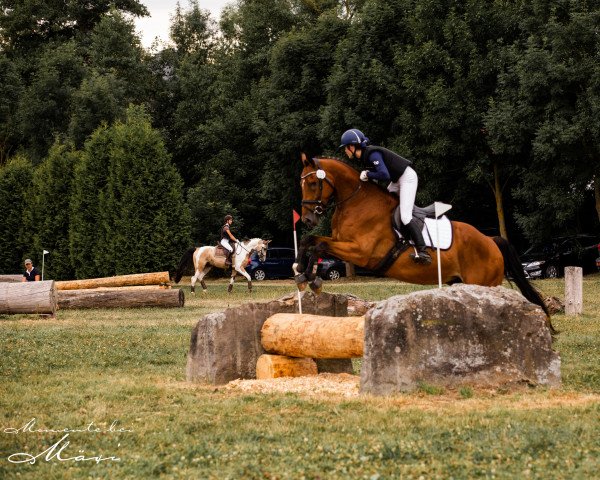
128,366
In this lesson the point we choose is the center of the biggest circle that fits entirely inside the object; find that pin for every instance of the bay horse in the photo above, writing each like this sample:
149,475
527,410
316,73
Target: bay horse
204,258
362,234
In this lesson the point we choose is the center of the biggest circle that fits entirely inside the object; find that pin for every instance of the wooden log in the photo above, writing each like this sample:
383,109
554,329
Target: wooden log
573,290
28,297
276,366
134,287
313,336
115,298
155,278
11,278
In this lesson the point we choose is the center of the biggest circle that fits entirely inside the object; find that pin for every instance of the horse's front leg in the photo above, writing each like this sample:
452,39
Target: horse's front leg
247,276
231,281
303,266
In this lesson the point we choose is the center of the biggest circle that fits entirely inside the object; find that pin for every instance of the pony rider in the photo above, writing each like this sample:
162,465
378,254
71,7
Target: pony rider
383,164
226,238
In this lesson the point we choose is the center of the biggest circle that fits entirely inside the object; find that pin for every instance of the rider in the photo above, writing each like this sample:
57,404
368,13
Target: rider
383,164
227,237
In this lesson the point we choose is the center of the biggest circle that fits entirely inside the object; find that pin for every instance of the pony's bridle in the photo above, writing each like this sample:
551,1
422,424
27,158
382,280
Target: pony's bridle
320,206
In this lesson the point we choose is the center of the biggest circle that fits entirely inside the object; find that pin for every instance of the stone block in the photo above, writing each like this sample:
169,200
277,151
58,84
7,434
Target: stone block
460,335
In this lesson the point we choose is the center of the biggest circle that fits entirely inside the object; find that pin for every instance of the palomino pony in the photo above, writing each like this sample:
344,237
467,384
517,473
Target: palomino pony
362,234
205,258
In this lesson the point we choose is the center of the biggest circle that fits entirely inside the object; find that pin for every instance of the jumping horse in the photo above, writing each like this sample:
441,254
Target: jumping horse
362,234
204,258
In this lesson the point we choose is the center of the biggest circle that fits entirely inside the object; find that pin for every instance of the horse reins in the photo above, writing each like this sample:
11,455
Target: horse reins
320,206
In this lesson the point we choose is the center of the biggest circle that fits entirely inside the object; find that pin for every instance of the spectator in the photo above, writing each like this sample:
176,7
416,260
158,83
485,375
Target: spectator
31,273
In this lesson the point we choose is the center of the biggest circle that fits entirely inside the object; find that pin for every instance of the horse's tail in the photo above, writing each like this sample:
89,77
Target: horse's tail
514,269
184,263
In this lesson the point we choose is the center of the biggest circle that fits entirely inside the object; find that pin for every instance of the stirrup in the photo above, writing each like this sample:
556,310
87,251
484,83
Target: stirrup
421,257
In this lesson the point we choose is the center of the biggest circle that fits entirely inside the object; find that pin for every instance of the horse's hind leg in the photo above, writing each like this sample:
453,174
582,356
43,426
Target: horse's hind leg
202,275
197,274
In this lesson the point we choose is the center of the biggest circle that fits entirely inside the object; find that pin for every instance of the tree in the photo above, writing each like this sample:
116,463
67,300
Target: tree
16,227
53,187
45,104
25,25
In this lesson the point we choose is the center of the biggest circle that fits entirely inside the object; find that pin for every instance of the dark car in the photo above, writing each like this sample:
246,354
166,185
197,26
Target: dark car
549,260
598,261
278,264
334,268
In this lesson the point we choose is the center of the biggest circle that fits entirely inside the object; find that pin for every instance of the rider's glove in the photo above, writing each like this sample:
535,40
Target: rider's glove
363,176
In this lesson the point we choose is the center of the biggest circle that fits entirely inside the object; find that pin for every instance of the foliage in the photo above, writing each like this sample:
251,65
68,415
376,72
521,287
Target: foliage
51,196
16,228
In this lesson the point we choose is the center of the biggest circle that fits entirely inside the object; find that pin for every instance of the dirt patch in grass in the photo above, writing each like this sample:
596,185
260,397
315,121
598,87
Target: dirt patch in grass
344,387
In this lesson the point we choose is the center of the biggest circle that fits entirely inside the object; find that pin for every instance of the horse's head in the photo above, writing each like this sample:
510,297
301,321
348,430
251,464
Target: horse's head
261,249
317,189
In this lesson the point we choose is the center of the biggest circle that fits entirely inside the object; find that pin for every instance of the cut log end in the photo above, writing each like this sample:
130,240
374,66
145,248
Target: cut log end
277,366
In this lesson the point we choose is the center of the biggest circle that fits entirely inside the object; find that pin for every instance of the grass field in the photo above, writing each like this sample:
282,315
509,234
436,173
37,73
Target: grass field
127,366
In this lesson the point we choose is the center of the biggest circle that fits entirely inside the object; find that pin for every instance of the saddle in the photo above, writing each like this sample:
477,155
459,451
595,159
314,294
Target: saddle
220,251
431,228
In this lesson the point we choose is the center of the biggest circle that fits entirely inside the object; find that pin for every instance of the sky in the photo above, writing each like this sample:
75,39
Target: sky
157,25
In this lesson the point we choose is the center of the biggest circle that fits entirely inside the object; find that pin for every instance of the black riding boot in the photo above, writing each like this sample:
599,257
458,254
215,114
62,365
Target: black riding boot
422,256
228,259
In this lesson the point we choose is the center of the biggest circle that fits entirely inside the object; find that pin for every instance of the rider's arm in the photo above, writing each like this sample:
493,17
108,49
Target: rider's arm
231,235
380,171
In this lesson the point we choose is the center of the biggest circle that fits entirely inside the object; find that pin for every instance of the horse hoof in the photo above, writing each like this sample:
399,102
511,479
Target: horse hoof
316,285
230,288
301,279
302,286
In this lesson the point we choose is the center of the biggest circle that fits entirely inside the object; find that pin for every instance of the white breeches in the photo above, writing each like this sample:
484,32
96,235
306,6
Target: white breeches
226,244
406,187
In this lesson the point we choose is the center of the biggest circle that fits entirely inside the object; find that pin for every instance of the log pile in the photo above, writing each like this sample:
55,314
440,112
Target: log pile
293,341
122,291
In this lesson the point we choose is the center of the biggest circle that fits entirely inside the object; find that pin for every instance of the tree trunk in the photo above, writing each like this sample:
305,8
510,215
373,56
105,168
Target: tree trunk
499,202
28,297
120,298
276,366
11,278
597,194
155,278
313,336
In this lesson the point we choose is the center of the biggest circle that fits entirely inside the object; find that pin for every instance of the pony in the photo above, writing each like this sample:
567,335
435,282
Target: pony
362,234
204,258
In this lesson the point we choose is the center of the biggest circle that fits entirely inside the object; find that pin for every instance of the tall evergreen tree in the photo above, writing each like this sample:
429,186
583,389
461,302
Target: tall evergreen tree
53,187
16,227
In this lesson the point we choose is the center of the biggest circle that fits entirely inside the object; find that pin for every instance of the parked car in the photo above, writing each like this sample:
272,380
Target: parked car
278,264
549,260
334,268
598,262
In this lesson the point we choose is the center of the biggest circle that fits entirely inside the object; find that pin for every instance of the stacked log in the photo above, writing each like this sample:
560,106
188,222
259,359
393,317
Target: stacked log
28,297
313,336
11,278
155,278
121,298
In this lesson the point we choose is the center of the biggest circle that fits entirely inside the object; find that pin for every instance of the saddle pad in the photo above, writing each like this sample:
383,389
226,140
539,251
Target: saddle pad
445,232
430,234
220,251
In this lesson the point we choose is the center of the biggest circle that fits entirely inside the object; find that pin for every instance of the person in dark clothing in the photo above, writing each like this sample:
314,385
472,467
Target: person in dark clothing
31,273
227,237
383,164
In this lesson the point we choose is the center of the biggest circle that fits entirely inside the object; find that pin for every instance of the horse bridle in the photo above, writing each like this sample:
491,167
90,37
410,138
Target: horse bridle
320,206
